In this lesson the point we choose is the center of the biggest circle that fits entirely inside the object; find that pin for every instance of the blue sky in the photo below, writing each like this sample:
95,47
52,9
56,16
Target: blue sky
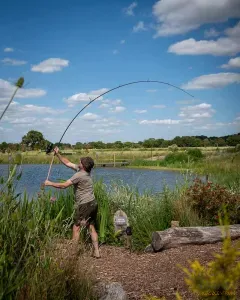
71,51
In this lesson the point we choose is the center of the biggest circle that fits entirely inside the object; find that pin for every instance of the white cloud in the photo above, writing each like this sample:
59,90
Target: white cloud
187,101
139,111
159,106
90,117
84,97
130,9
23,120
104,105
139,27
109,103
228,45
212,81
7,89
181,16
212,32
8,50
233,63
160,122
50,65
203,110
108,131
122,42
117,109
13,62
115,51
151,91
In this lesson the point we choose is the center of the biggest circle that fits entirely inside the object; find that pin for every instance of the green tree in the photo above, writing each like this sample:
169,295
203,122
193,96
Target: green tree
3,147
33,139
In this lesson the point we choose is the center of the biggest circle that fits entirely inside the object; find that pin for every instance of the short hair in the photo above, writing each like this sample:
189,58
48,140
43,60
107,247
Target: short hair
88,163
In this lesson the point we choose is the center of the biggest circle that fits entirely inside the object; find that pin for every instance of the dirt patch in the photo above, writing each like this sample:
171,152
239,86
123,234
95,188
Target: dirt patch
151,274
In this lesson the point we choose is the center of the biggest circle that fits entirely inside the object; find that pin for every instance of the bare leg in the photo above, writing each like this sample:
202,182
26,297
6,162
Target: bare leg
94,237
76,233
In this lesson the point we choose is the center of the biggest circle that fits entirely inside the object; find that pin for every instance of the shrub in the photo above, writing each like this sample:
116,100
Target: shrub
209,198
195,154
237,148
173,148
176,158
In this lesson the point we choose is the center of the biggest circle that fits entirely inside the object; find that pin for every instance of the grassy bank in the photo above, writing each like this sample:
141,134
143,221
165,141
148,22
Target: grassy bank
30,227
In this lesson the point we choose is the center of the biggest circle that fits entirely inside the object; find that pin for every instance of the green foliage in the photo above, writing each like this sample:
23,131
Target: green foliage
173,148
208,199
173,158
237,148
195,154
34,139
27,229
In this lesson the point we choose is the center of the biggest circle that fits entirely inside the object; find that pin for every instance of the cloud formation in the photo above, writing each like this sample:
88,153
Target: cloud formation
13,62
139,27
8,50
50,65
227,45
181,16
139,111
117,109
232,63
212,81
7,89
129,11
84,97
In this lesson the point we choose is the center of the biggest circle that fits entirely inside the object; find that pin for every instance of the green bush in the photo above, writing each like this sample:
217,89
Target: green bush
195,154
173,158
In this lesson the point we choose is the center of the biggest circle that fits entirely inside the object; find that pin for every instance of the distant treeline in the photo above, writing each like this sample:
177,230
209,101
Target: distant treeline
34,140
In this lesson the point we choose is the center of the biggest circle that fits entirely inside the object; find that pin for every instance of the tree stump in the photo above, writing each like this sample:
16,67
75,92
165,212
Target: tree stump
179,236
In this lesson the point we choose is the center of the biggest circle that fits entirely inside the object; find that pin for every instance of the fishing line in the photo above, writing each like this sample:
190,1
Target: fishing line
115,88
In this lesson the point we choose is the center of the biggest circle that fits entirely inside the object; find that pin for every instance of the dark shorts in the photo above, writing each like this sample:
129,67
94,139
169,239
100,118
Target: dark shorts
87,211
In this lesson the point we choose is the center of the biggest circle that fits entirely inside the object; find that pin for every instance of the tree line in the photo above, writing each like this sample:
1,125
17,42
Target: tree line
34,140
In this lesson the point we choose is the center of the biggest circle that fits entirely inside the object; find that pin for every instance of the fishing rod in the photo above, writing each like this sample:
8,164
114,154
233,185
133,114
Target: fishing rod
50,147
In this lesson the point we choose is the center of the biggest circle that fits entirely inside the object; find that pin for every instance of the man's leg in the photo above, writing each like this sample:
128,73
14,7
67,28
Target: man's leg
76,233
94,237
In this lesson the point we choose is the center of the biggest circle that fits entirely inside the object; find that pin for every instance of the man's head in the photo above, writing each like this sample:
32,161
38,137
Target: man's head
86,163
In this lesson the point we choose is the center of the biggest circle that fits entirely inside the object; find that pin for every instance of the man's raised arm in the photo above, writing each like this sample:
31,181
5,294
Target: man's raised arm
64,160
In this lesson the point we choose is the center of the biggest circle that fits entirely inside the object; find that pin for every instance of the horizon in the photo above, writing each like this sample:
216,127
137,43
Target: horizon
69,53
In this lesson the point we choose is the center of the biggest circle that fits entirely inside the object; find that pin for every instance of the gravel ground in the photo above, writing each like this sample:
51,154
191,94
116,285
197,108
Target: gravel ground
154,274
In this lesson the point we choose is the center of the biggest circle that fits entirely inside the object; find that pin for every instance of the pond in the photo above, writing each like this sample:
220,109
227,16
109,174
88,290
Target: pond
153,180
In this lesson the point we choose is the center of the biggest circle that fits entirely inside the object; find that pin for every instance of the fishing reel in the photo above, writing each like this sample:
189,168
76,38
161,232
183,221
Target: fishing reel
49,148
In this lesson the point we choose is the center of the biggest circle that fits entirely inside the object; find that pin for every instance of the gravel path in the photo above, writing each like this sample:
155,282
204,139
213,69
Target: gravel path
154,274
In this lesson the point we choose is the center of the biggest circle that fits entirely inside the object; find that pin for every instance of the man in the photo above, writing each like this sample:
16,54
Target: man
85,202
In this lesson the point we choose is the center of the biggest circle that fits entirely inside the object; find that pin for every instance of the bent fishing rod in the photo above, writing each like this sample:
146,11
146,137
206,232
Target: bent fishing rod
49,149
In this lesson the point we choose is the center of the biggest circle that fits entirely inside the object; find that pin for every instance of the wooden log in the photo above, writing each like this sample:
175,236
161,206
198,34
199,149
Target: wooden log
179,236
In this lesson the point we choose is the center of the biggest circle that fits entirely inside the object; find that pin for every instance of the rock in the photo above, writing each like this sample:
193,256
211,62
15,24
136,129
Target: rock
149,249
112,291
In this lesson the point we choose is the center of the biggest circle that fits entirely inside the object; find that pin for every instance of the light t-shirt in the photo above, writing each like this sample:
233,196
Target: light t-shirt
83,187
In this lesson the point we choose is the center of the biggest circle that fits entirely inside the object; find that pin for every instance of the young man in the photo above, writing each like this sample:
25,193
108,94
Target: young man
85,203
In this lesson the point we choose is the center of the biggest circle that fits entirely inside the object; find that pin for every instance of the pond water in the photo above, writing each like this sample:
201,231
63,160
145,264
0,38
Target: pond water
153,180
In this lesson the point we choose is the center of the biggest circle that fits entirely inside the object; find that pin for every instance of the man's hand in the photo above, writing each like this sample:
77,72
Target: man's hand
47,183
56,150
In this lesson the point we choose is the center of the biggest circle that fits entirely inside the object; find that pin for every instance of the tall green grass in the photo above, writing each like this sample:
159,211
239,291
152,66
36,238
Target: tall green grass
28,229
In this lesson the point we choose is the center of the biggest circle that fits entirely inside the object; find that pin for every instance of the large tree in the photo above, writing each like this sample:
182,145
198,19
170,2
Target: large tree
34,140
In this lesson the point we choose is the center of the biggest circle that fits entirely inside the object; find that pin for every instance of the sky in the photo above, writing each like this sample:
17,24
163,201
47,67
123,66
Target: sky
69,52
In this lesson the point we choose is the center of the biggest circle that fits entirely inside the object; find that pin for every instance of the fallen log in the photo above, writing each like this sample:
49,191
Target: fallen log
179,236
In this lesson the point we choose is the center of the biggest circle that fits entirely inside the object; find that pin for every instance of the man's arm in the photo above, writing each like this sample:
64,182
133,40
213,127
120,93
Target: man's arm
64,160
57,185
